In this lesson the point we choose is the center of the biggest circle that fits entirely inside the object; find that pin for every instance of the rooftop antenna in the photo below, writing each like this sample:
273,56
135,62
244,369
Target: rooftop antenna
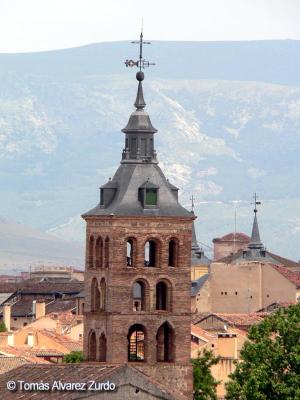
141,63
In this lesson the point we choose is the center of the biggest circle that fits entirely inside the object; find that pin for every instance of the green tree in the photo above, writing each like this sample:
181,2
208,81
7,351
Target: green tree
3,327
73,357
204,383
270,361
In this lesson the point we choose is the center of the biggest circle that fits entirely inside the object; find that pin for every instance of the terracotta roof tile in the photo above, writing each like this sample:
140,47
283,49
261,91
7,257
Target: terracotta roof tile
230,237
292,276
202,333
26,352
237,320
7,363
35,287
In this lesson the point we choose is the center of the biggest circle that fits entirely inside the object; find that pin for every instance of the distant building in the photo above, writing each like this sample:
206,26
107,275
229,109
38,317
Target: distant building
21,303
54,272
199,261
252,279
225,344
230,244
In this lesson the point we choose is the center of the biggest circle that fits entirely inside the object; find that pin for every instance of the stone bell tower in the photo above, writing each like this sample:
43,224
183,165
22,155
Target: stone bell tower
138,264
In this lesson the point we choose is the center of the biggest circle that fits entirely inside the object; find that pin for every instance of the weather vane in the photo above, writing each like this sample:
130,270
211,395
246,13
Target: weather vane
193,204
141,63
256,203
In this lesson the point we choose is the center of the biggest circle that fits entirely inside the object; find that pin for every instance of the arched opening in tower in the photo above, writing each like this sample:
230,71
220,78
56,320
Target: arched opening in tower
139,296
99,248
106,253
102,348
161,296
150,253
172,253
102,294
165,343
95,295
92,346
129,251
91,252
136,343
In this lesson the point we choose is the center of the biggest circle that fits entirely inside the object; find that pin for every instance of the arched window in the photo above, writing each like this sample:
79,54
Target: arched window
92,346
161,296
165,343
129,253
102,348
139,296
91,252
99,250
95,295
136,343
172,253
102,294
150,253
106,253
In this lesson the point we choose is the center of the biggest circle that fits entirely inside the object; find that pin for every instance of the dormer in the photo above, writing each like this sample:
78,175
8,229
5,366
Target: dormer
148,195
107,193
173,189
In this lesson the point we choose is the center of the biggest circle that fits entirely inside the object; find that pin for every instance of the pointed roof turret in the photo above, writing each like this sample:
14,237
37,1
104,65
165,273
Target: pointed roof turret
139,187
140,102
255,242
255,249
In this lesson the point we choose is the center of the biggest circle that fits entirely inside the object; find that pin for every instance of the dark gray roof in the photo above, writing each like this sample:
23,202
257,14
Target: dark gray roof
139,121
123,194
255,250
129,178
255,242
197,285
197,256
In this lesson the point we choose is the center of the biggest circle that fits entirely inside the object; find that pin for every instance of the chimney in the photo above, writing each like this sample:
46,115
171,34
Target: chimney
227,345
10,339
30,339
7,315
40,309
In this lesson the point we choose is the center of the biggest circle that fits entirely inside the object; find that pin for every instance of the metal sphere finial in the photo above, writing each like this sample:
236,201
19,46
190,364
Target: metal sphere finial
140,76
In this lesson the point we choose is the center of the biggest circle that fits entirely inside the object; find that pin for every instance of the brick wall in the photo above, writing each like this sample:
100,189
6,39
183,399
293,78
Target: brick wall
118,315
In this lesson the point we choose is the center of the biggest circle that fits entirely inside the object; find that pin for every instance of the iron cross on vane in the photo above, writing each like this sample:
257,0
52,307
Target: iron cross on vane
256,203
141,63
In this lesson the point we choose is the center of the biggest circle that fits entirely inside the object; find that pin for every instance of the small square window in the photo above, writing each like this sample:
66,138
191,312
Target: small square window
151,197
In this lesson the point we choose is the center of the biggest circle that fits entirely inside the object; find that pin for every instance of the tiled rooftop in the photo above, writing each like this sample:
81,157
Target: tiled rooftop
36,287
83,372
7,363
292,276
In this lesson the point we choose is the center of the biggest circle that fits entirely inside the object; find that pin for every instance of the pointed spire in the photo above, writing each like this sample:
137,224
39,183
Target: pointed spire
195,245
140,102
255,242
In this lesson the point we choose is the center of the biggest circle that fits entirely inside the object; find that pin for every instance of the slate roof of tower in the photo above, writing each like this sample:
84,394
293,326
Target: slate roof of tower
136,170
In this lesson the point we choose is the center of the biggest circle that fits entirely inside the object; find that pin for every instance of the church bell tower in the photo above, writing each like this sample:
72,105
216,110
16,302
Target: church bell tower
138,263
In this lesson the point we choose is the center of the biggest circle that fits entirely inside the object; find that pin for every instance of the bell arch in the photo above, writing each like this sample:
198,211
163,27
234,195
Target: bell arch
92,346
102,347
137,343
95,295
99,252
165,343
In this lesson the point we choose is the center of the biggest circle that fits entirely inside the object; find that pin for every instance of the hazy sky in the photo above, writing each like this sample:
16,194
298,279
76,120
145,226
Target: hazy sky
33,25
